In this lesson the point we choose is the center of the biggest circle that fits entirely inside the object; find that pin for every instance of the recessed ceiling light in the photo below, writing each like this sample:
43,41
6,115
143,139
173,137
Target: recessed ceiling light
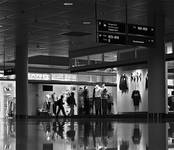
86,22
68,4
1,26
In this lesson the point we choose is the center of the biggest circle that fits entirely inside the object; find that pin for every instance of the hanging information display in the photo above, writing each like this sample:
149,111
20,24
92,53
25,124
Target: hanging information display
116,33
111,26
141,30
140,41
111,38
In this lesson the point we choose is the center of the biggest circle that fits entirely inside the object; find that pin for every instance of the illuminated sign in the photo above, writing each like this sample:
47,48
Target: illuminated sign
64,77
141,30
110,26
57,76
39,76
53,76
70,77
141,41
111,38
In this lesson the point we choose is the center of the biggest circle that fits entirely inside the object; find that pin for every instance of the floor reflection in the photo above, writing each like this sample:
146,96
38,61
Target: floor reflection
83,135
7,135
171,136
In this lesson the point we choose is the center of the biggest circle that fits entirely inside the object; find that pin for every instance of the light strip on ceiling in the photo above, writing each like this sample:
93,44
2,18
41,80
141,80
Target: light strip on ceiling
68,4
86,22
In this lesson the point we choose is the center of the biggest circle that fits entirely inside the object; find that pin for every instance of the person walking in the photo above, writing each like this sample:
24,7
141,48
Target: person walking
60,104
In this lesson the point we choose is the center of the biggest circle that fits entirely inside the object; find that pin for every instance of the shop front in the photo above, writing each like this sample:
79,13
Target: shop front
7,99
122,91
44,99
81,95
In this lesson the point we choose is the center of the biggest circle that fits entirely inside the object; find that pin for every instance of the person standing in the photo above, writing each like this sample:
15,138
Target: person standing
97,93
54,100
109,103
86,101
47,103
60,104
72,103
104,99
80,101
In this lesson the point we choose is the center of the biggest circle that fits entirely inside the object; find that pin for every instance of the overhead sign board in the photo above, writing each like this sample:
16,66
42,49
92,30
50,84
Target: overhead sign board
140,41
110,26
9,71
141,30
111,38
115,33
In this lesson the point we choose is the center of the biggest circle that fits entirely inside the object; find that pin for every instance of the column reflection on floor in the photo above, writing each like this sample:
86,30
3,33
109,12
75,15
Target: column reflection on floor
84,134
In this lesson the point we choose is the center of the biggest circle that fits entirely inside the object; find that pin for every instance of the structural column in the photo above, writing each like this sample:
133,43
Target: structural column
21,64
157,136
156,62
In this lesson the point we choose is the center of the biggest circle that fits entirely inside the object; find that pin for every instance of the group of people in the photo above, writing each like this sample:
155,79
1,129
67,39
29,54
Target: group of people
96,102
102,100
100,103
57,104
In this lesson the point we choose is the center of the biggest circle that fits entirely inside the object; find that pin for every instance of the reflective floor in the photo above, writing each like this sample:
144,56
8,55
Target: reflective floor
85,135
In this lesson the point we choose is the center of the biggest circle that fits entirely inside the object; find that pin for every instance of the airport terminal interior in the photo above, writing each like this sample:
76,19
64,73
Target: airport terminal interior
87,74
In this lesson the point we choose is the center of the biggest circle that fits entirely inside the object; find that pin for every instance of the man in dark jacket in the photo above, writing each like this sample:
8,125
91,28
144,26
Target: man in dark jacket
60,104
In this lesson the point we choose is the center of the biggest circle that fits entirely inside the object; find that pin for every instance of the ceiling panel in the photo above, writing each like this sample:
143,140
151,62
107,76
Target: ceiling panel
49,20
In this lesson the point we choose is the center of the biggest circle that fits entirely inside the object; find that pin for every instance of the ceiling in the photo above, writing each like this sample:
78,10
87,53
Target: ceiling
55,29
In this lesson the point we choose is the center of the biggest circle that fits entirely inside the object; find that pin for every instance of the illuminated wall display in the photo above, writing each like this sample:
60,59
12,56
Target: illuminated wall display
169,47
7,99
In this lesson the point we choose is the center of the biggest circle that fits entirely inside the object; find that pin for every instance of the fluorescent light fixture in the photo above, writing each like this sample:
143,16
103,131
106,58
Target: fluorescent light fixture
86,22
67,4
